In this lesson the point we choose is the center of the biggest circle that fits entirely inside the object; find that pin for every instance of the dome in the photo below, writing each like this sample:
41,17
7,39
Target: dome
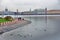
6,9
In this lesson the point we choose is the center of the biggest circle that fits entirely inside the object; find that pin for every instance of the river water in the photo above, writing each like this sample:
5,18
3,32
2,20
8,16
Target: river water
41,28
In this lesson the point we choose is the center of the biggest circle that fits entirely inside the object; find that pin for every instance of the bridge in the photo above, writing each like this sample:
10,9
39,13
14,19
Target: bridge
27,15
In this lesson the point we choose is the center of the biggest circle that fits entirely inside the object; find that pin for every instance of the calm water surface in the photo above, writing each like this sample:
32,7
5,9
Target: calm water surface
39,29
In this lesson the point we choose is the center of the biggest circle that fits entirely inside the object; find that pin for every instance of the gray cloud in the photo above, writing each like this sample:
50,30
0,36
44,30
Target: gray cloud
56,6
27,4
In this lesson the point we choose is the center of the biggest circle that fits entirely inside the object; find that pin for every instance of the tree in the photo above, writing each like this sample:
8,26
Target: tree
9,18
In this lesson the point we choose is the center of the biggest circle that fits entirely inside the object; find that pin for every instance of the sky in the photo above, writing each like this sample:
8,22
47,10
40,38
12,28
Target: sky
25,5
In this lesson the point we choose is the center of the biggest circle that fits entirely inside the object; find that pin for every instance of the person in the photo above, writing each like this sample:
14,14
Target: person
19,18
22,19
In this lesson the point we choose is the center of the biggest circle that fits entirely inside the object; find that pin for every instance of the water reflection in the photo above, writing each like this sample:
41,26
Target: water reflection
39,29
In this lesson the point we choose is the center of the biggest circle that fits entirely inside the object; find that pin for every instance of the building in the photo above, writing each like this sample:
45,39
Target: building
6,12
53,11
30,12
39,11
35,12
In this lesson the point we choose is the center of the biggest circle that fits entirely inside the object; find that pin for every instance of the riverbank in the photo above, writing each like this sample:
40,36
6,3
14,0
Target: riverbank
11,26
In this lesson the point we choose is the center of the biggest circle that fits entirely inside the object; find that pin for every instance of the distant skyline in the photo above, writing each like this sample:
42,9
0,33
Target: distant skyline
25,5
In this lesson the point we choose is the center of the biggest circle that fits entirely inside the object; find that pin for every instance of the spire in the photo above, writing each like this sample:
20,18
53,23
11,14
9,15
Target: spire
6,9
17,10
30,10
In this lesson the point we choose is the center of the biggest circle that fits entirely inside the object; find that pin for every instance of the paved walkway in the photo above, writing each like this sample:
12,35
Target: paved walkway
16,24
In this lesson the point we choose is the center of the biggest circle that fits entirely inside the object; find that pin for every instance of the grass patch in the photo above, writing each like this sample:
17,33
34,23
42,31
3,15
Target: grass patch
6,19
3,20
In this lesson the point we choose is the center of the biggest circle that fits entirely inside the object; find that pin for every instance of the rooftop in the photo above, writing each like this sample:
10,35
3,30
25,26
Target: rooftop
53,11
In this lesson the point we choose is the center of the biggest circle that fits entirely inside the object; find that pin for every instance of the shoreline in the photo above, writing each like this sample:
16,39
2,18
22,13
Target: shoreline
13,26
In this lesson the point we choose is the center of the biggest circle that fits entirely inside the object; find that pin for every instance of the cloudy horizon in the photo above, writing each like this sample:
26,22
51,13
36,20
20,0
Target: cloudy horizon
25,5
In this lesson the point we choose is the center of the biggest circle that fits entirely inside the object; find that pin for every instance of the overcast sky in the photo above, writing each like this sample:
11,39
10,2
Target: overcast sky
24,5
